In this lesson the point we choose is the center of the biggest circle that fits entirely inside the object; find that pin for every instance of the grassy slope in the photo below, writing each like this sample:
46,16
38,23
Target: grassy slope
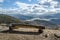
8,19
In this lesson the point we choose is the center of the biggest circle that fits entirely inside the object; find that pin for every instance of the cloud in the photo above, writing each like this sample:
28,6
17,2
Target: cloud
29,0
1,0
29,8
43,7
22,5
51,3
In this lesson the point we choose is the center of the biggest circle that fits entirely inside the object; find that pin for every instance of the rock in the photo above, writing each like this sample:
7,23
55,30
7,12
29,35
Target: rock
57,35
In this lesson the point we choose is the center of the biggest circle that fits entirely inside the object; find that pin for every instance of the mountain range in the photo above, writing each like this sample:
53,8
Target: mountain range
31,21
54,18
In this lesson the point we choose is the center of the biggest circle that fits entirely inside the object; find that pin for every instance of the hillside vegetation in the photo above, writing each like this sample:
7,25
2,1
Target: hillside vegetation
8,19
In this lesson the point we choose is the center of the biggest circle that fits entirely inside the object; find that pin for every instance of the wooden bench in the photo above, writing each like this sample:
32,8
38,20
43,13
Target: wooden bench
16,26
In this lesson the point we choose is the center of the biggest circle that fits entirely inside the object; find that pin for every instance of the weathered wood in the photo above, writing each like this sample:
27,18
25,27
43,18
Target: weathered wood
16,26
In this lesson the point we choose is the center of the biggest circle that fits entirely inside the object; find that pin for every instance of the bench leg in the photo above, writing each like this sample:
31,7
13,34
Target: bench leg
10,29
40,31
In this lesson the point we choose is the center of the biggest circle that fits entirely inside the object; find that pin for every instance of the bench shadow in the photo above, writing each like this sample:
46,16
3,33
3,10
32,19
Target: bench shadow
21,32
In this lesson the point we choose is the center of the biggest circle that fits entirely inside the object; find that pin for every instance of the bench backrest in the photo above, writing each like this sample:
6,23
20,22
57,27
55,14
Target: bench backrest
15,26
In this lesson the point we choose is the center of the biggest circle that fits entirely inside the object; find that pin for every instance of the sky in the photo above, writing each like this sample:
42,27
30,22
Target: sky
30,7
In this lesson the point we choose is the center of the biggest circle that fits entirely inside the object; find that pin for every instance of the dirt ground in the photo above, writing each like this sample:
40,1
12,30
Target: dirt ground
46,35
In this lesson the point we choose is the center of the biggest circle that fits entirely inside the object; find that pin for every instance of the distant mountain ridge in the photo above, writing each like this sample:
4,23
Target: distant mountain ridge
54,18
22,17
37,21
47,24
